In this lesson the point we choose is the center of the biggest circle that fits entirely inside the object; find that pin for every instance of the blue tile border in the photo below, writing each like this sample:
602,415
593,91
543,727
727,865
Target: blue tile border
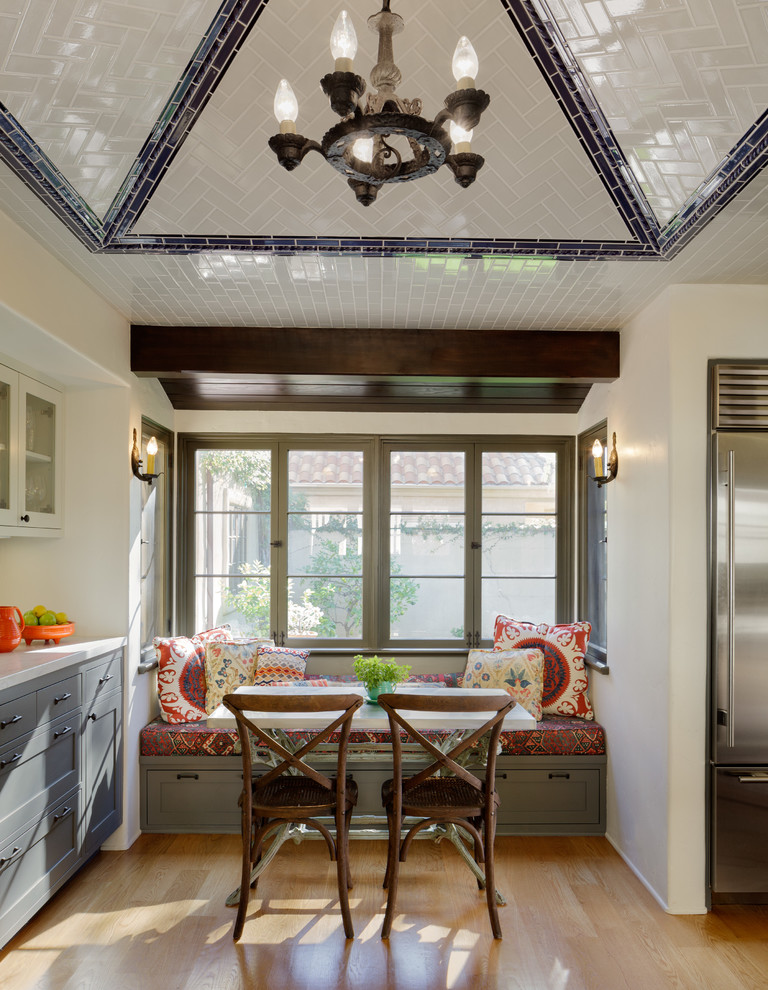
551,53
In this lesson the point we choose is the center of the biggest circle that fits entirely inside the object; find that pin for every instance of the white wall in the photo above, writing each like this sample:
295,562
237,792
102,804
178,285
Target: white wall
653,702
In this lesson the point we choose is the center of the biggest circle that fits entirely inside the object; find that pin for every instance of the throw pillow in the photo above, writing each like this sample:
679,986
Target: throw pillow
520,672
564,647
278,663
181,674
228,666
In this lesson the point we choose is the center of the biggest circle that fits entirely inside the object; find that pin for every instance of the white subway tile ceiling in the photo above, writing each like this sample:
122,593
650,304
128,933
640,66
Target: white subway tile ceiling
624,144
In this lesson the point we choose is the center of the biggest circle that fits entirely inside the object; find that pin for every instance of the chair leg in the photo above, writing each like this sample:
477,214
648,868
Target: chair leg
342,872
245,879
490,876
393,871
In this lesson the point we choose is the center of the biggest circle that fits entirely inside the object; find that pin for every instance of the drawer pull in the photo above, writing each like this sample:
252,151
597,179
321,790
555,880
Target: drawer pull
187,776
62,732
62,697
11,759
564,776
501,776
62,814
11,721
7,859
92,716
105,678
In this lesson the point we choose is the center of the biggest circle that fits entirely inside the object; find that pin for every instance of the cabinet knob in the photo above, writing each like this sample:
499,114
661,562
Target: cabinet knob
92,716
25,517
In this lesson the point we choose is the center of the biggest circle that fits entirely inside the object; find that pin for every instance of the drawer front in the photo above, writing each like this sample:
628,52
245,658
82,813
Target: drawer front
530,797
38,769
193,799
58,699
17,717
104,677
35,861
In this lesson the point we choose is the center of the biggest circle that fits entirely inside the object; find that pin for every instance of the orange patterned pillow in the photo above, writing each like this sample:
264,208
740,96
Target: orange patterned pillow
519,672
278,663
181,681
564,648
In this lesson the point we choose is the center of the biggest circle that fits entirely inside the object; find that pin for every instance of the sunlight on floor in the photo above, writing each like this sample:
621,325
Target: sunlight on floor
558,977
457,960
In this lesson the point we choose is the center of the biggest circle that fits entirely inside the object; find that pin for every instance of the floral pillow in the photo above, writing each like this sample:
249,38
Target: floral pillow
277,663
228,666
520,672
181,682
564,648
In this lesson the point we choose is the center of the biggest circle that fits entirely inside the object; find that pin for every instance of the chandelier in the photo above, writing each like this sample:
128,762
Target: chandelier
387,139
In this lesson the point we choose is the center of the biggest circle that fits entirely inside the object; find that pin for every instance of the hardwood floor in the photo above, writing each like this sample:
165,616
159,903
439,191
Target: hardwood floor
153,918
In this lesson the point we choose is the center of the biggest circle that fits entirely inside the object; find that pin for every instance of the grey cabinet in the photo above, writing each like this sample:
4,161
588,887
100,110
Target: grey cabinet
60,780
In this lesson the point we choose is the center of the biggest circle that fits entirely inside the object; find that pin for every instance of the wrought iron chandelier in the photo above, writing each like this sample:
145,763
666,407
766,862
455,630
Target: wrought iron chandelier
387,140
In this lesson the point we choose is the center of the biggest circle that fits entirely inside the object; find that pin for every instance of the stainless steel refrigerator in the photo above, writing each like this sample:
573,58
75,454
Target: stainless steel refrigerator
739,686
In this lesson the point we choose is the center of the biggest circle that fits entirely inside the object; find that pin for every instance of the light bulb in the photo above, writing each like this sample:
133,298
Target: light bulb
460,137
286,106
465,64
597,453
343,42
151,451
362,149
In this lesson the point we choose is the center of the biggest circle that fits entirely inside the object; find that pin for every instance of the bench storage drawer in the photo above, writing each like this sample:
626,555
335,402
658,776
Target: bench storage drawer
557,798
191,799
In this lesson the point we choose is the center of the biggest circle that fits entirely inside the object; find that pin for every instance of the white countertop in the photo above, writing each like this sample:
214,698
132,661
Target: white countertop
372,717
27,662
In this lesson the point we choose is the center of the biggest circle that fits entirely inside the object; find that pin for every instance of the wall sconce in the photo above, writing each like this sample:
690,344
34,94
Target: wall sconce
602,478
136,461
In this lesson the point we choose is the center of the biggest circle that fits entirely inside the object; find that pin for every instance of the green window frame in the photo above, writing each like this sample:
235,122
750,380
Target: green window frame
303,518
593,547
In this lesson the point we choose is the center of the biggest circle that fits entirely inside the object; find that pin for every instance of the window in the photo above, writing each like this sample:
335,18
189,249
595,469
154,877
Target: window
373,543
156,515
593,546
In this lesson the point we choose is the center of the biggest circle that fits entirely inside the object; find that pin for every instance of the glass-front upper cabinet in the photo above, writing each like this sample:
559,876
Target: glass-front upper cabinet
9,416
30,461
40,429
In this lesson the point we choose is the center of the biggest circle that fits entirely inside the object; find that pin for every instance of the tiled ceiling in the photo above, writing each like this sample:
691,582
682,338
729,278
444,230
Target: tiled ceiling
624,143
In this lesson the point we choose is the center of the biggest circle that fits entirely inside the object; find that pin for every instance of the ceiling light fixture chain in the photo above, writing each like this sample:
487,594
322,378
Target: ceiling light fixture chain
387,140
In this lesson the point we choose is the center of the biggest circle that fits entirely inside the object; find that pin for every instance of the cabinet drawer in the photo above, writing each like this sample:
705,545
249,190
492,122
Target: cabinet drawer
551,796
17,717
34,862
192,799
103,677
38,768
58,699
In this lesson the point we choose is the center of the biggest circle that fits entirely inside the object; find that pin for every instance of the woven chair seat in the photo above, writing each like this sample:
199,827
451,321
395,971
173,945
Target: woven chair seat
286,794
438,796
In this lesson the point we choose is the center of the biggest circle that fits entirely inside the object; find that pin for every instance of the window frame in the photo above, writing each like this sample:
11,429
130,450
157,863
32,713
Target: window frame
165,436
376,450
596,656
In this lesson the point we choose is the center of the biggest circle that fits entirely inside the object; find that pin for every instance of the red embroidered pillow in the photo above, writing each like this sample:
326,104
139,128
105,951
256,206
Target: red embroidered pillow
564,648
181,682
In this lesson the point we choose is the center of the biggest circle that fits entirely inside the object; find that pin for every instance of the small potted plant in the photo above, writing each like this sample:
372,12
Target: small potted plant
379,676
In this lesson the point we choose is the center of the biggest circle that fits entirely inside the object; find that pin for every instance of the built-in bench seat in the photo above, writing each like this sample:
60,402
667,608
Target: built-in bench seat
551,778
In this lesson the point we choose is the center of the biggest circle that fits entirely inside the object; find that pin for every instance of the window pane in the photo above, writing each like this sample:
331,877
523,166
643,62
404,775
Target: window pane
243,602
427,544
519,481
232,543
227,480
518,546
434,479
430,608
528,600
330,607
325,543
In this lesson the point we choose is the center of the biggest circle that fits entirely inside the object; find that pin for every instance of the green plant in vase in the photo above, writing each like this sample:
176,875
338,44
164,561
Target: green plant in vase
379,676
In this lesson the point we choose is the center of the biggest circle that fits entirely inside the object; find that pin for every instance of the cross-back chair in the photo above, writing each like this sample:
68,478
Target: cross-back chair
444,792
293,791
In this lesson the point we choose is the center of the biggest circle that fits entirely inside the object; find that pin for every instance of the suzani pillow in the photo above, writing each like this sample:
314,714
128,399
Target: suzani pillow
278,663
181,682
564,647
520,672
228,666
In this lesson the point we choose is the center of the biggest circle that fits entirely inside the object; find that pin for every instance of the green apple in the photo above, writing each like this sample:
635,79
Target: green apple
30,619
47,619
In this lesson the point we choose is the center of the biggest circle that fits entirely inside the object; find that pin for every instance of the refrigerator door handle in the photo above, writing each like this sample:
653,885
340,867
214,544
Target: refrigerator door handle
730,537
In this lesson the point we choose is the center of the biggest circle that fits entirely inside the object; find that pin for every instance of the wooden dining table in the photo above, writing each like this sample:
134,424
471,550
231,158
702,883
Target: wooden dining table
371,717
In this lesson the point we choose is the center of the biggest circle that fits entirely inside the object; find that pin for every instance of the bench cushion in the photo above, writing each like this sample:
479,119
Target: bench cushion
555,735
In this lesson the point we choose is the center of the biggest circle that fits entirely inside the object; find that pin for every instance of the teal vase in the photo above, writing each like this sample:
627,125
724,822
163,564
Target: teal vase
373,693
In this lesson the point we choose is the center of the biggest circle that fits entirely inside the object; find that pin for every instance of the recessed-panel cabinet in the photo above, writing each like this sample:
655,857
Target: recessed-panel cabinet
30,455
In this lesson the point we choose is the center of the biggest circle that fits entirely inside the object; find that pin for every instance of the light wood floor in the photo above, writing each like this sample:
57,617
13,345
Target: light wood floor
153,918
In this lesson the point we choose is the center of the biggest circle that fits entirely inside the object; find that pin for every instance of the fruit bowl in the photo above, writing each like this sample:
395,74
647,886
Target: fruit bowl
50,634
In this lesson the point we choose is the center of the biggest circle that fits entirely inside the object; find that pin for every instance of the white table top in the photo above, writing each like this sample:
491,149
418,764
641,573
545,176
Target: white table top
372,717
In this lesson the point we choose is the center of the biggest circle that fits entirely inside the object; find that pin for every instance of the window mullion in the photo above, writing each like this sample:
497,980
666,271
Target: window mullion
474,553
279,545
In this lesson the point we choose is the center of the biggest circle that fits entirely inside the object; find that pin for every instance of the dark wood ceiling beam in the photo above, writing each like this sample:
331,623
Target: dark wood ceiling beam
562,355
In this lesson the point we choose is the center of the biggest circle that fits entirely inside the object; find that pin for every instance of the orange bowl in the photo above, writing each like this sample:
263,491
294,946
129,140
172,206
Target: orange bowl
50,634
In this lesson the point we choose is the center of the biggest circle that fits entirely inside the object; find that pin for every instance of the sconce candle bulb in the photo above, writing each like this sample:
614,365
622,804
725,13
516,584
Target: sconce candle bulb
151,451
597,453
602,477
136,459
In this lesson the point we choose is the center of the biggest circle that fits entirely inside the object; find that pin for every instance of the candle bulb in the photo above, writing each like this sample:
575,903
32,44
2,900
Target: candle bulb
151,451
286,107
343,42
597,453
465,64
461,138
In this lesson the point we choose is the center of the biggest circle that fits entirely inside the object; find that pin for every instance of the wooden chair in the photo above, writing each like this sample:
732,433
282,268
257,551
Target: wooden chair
444,792
293,791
